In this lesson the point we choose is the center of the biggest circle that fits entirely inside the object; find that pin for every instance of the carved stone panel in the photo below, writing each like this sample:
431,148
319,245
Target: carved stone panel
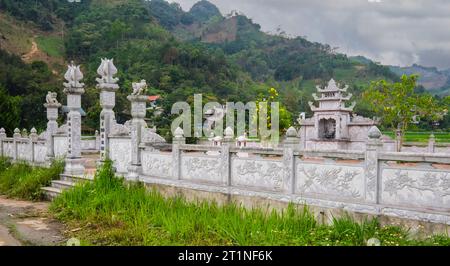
267,175
61,146
88,144
157,164
120,153
8,149
416,188
40,150
201,168
330,180
24,151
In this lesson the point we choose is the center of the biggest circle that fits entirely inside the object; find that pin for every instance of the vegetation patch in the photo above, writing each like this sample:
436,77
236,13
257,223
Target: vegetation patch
51,45
108,211
21,180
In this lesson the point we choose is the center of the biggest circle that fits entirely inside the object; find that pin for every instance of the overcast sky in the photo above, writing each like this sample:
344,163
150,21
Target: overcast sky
393,32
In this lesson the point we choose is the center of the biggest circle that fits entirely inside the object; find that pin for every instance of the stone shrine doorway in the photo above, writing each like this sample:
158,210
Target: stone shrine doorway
327,129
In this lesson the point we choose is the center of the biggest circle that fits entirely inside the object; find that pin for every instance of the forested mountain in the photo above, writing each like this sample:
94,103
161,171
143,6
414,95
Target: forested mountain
432,79
179,53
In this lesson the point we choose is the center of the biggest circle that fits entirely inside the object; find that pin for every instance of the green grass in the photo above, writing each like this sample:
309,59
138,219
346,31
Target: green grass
52,45
20,180
441,137
111,212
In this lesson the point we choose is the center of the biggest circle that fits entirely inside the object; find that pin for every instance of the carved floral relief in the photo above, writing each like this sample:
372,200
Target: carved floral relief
267,175
335,180
158,165
201,169
416,187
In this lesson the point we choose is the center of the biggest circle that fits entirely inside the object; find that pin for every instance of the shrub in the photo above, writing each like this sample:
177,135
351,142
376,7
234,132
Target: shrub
24,181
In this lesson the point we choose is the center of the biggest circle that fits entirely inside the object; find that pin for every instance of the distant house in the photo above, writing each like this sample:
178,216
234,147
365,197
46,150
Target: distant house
153,101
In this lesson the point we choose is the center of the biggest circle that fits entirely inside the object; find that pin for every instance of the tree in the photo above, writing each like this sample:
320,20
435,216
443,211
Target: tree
9,110
284,116
398,105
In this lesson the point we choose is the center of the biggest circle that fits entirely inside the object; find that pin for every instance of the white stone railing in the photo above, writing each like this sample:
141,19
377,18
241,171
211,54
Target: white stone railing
400,184
22,147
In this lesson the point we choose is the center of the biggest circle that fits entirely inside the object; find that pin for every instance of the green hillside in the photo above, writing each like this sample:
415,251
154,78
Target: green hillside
181,53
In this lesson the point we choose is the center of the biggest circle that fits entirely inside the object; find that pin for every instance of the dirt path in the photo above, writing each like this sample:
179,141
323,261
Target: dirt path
34,50
28,223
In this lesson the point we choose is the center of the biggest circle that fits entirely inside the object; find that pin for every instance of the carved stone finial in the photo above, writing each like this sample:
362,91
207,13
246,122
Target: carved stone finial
331,84
107,70
17,133
33,134
51,99
374,133
2,133
139,87
291,132
73,77
179,133
229,133
24,133
2,130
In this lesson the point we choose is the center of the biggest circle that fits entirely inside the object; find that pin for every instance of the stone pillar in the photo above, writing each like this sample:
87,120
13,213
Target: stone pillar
138,112
227,142
74,89
291,144
16,137
431,144
398,140
373,147
176,153
33,139
2,137
97,140
107,85
52,127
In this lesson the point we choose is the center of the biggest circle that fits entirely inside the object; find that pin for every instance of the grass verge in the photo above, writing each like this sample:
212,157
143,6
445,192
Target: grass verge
108,211
21,180
441,137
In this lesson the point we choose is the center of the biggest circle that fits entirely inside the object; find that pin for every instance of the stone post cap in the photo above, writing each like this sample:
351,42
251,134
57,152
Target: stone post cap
2,130
178,133
107,87
2,133
33,134
137,98
17,133
52,105
24,133
374,133
229,133
291,132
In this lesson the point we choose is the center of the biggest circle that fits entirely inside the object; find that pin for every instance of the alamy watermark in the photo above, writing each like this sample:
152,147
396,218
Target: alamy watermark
255,120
